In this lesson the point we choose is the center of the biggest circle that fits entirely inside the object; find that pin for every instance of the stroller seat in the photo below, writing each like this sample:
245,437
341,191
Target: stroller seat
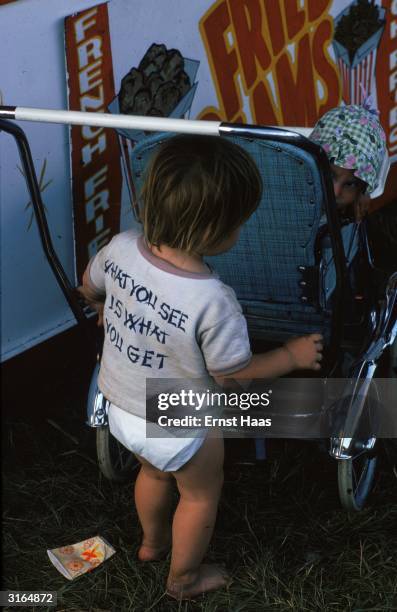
274,267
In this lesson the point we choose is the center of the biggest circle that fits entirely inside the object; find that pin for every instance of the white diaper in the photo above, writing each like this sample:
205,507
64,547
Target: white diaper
168,454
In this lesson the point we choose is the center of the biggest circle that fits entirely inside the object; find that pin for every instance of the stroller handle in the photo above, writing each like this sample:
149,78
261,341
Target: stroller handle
38,207
132,122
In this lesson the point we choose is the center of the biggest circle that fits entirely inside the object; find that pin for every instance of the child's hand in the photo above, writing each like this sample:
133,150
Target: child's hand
98,306
92,300
306,352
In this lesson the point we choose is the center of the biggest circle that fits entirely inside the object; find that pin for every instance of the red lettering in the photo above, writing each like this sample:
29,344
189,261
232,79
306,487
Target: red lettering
325,69
316,8
294,17
297,95
275,24
224,63
210,115
247,22
262,31
263,106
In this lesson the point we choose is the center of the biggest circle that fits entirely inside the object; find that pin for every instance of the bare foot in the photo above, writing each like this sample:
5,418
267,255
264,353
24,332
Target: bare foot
209,578
153,553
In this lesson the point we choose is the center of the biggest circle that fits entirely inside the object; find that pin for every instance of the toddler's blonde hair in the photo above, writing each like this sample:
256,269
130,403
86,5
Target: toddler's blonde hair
198,190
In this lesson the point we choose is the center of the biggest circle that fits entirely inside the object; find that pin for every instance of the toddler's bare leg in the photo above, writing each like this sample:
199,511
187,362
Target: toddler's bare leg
153,499
199,483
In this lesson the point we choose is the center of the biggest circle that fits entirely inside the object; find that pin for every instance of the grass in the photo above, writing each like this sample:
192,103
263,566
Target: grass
280,531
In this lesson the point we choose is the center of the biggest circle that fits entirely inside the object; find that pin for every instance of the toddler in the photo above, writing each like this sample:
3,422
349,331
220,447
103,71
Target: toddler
355,144
167,315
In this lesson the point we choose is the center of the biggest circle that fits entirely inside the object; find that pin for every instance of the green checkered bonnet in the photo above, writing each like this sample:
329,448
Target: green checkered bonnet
354,139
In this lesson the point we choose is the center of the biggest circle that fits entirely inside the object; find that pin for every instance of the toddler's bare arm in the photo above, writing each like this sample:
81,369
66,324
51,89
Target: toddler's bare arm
92,296
297,354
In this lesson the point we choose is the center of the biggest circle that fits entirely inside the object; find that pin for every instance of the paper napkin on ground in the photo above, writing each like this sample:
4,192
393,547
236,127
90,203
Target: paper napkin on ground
77,559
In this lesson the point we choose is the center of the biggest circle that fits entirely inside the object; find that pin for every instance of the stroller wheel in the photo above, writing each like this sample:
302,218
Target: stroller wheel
115,461
355,480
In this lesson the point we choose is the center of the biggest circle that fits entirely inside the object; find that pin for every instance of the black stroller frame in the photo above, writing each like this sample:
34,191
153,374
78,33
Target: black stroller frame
356,457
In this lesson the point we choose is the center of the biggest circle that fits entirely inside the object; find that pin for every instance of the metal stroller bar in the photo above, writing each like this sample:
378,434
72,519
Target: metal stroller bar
38,207
132,122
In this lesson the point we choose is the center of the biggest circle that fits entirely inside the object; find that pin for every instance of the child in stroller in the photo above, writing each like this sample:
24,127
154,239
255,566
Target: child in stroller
355,144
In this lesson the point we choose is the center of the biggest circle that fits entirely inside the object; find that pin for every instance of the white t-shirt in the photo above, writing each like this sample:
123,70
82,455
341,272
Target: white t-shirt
162,322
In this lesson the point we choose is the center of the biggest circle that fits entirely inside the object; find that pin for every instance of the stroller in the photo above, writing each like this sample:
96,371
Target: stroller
296,270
